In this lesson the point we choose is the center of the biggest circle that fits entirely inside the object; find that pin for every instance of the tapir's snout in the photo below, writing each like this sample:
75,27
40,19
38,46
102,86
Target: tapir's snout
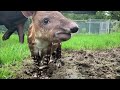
65,31
73,27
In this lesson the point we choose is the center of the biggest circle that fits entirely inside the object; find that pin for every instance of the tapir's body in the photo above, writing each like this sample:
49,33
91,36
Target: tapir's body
46,32
13,21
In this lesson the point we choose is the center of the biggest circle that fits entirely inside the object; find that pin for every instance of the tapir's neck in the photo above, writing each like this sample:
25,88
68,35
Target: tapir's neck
41,44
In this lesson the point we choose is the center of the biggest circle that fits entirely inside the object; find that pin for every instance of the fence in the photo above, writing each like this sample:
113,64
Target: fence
91,26
96,26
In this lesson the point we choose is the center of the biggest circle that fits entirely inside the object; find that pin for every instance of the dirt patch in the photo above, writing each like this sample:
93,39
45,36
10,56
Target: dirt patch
80,65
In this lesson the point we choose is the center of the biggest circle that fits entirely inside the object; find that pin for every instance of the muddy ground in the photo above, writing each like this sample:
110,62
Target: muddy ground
81,64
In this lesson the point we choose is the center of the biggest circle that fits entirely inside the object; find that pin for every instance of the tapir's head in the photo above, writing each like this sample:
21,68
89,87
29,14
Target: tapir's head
52,25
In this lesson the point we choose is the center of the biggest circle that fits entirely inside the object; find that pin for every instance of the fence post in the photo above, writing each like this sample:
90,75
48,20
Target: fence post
109,26
101,27
89,25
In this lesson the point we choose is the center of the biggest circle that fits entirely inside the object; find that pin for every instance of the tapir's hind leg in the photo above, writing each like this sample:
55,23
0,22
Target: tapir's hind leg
9,32
20,30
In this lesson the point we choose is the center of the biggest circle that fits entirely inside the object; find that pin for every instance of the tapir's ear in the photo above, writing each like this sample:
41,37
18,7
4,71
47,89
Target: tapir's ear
28,13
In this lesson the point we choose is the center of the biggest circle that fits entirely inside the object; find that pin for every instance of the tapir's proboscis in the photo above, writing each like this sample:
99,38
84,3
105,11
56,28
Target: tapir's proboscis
46,33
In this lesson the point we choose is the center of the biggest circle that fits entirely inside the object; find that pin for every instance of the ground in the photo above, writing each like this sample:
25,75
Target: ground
101,64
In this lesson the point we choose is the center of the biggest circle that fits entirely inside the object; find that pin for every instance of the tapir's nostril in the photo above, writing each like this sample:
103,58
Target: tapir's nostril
74,29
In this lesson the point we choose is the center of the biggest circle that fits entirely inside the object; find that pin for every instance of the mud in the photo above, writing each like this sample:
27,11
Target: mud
104,64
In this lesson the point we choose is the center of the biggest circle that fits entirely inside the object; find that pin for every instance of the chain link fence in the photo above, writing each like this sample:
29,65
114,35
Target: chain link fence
97,26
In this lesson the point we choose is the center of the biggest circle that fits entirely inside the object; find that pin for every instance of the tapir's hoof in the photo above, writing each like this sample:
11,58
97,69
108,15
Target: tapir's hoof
21,42
51,61
59,63
43,67
5,38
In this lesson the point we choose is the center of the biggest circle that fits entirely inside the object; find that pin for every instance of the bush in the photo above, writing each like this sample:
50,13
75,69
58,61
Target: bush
115,26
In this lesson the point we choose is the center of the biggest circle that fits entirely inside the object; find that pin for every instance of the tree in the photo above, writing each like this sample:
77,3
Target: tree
81,12
115,15
84,15
101,15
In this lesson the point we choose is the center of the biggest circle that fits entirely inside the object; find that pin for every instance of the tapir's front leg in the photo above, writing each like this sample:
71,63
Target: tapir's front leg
44,63
57,53
34,51
57,56
9,32
20,30
46,57
35,55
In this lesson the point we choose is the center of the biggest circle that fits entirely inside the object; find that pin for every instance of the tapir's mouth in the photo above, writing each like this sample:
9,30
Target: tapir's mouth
63,36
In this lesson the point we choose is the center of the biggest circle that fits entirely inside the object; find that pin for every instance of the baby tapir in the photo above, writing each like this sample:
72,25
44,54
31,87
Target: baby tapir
46,32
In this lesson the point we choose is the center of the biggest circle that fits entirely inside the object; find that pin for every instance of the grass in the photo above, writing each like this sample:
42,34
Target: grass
12,52
9,70
93,42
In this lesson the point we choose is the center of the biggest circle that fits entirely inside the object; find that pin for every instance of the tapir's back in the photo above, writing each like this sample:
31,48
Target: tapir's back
15,17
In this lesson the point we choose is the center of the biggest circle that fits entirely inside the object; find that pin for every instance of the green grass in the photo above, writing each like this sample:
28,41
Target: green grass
12,52
93,42
9,71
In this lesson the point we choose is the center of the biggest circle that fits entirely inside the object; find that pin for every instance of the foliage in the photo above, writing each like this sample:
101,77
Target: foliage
115,15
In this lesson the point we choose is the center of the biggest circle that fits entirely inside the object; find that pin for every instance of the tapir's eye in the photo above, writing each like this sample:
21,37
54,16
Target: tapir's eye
46,21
